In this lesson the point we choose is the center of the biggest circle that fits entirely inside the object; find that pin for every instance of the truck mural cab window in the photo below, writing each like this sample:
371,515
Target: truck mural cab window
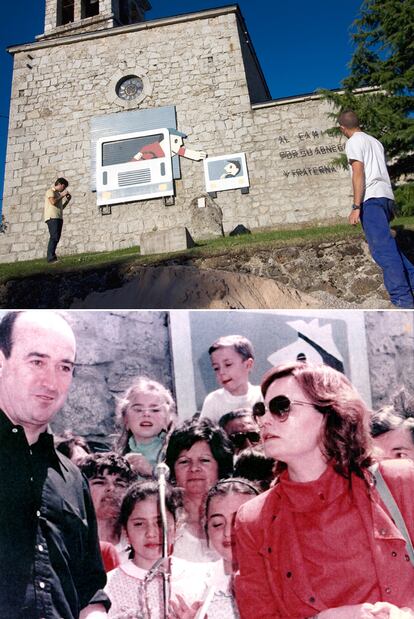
134,166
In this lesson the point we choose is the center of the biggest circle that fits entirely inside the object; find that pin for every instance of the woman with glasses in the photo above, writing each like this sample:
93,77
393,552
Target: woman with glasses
320,543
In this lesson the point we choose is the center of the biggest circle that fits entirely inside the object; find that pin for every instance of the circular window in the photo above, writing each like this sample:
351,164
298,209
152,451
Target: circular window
129,88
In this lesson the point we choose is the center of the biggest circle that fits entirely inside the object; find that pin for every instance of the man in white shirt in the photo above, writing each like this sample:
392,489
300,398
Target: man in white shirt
374,207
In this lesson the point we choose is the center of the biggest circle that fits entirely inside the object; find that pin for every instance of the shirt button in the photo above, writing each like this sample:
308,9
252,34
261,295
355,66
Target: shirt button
383,532
15,430
407,558
42,584
269,550
393,554
38,514
40,548
321,496
289,574
387,589
311,599
31,479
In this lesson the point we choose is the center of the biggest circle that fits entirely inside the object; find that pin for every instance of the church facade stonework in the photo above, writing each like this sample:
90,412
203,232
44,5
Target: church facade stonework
205,66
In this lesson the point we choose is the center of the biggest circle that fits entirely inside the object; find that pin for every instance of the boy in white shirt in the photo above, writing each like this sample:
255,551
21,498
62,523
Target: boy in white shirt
232,358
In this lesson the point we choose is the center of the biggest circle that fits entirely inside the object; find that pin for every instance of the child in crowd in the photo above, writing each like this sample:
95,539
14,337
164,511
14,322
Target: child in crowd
146,414
232,359
136,587
222,503
109,476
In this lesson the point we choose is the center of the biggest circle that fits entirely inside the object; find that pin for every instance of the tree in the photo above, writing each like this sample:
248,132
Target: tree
383,67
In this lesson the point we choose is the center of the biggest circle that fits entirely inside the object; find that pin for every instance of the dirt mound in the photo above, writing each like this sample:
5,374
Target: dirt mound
179,287
337,272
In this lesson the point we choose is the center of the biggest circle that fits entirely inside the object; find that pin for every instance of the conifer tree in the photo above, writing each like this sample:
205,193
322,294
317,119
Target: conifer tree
383,63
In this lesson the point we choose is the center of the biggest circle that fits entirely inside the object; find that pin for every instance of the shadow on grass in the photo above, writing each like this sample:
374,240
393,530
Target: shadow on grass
58,290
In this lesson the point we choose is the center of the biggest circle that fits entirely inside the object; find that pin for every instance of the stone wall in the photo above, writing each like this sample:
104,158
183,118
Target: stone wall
115,346
291,162
196,63
390,339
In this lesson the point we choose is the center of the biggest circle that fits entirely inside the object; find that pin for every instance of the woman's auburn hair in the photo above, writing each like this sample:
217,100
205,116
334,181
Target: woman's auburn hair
346,439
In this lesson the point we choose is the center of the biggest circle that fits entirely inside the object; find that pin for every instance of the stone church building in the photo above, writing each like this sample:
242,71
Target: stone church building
100,68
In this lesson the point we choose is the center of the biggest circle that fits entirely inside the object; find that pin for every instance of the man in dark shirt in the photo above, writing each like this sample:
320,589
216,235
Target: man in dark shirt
50,564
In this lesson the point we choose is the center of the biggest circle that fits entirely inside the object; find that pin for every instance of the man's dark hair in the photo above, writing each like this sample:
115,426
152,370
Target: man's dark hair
109,462
348,119
61,181
239,413
398,414
6,332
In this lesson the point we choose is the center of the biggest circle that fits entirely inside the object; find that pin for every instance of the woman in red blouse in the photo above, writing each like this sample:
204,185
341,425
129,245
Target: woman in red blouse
320,543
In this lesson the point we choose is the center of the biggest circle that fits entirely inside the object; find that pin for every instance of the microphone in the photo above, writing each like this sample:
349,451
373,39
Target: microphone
162,472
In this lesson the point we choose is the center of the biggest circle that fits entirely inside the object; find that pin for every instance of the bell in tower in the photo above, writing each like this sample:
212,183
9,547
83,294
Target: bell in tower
65,17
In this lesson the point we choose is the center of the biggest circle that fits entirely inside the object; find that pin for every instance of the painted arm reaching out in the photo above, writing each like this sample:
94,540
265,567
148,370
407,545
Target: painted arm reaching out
195,155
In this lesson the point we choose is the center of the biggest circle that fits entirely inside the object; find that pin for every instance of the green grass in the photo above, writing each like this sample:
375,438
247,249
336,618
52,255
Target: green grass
86,261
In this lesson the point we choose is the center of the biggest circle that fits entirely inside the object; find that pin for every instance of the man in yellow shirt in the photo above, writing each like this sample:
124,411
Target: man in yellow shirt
56,199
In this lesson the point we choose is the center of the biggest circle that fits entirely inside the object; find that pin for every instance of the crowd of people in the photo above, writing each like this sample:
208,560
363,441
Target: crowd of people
273,508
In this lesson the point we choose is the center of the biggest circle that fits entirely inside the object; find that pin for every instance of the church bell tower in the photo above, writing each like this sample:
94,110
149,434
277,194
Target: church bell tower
66,17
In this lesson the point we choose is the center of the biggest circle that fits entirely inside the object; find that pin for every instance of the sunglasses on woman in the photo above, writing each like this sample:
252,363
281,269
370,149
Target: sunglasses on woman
241,439
279,406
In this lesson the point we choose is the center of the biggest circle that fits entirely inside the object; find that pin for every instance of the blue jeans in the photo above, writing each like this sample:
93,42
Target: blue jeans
55,231
398,271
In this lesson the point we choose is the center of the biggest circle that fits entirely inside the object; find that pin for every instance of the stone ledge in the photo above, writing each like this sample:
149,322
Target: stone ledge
165,241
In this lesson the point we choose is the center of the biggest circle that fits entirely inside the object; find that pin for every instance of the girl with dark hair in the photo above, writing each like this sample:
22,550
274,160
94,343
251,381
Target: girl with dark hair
321,543
223,501
135,588
198,454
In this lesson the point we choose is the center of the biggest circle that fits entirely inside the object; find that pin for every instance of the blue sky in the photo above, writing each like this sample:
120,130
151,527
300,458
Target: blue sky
301,45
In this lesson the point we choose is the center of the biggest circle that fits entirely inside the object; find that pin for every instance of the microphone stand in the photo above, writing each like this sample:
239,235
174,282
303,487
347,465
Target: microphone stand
162,472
